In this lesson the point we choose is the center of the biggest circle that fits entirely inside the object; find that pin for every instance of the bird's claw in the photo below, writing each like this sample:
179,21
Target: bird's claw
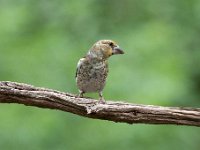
101,101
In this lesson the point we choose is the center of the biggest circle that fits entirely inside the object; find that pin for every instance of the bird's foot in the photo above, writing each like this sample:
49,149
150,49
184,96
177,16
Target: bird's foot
101,101
80,95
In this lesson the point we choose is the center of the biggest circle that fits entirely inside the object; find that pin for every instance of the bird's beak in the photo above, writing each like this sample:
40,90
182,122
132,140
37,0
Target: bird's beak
117,50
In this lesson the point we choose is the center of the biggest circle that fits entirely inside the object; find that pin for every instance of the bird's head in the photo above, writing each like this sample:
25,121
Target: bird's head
103,49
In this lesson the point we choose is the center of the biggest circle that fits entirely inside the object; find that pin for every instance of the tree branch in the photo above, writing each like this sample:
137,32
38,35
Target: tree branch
12,92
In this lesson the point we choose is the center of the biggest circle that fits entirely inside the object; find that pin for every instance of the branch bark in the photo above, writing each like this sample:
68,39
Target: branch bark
12,92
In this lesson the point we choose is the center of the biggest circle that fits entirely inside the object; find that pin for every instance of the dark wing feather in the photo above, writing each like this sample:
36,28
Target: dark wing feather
80,62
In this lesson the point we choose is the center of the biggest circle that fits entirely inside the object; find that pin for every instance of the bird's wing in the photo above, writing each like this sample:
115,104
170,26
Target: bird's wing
80,63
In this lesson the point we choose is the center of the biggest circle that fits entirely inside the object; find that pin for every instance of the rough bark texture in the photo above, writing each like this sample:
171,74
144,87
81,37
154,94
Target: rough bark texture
12,92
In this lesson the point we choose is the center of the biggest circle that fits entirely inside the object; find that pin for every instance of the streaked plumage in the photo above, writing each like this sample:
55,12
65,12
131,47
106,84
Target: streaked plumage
92,70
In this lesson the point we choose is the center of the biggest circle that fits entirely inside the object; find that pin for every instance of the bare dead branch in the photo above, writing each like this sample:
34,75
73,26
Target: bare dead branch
12,92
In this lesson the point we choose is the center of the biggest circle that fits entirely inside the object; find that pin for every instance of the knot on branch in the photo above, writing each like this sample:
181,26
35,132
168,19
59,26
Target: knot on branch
94,108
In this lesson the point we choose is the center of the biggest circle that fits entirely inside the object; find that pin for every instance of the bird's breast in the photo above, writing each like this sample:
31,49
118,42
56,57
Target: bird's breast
99,66
98,71
92,77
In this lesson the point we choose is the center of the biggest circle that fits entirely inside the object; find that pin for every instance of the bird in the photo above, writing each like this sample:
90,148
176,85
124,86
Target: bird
92,70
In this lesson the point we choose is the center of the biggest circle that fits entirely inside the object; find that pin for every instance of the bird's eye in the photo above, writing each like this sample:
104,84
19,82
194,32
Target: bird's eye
111,44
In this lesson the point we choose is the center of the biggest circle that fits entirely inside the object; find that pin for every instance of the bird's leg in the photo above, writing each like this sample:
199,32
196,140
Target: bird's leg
81,94
101,99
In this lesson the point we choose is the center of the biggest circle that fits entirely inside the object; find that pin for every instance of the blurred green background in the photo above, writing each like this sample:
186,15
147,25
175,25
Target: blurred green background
41,42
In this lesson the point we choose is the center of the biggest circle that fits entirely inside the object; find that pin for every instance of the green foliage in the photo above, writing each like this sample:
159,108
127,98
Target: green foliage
41,42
